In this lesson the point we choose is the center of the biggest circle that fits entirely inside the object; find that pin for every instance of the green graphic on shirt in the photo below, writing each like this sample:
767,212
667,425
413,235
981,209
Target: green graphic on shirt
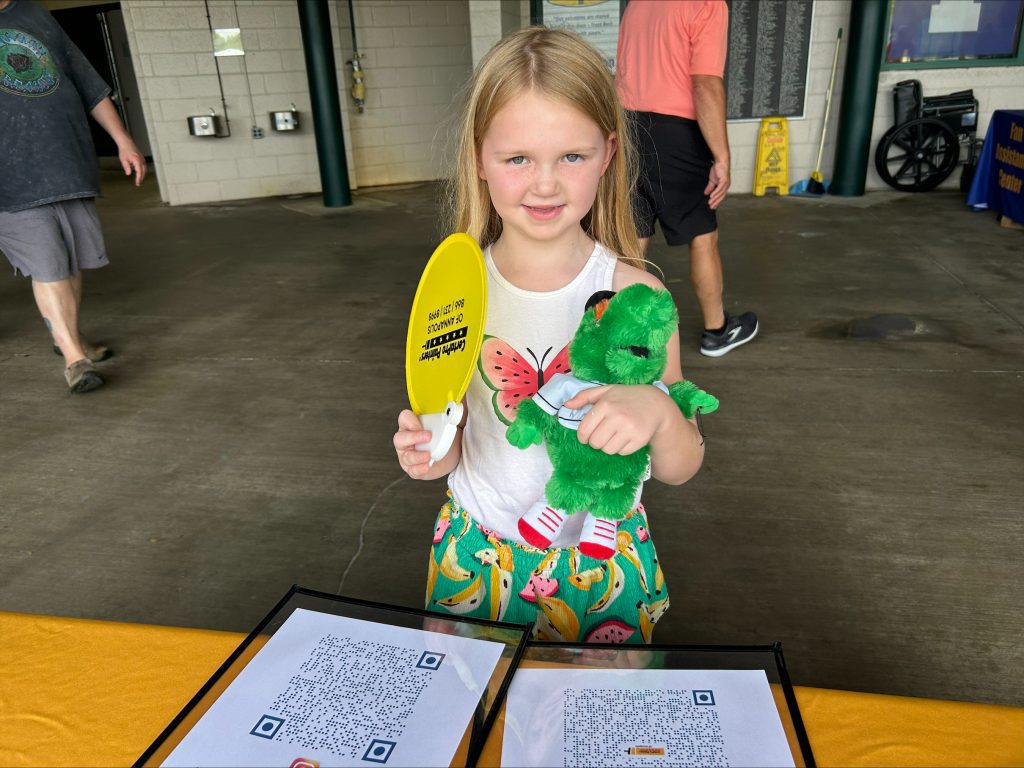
26,68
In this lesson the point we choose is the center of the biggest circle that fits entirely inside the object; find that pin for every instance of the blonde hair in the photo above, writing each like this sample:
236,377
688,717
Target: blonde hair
560,65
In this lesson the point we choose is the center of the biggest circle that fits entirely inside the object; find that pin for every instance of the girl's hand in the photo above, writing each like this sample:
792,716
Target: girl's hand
410,434
623,418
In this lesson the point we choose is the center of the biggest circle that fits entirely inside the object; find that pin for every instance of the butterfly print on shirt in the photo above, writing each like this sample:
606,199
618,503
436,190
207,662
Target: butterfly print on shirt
513,379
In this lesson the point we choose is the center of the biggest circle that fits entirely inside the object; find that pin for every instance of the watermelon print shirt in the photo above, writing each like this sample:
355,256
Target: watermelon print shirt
526,339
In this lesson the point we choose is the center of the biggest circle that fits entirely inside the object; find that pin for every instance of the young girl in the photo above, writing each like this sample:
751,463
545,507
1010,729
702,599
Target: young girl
543,182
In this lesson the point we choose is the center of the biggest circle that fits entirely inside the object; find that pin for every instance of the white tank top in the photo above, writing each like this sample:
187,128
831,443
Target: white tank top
525,344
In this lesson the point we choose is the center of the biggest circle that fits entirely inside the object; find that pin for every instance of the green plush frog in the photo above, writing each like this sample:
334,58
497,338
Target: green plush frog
620,340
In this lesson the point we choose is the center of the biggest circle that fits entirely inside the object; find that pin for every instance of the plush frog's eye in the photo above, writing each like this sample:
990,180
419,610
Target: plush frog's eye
640,351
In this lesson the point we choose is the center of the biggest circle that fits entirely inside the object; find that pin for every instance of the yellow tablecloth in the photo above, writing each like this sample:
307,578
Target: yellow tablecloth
94,693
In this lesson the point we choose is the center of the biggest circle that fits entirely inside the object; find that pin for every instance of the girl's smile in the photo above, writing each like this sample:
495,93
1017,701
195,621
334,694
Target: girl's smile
544,213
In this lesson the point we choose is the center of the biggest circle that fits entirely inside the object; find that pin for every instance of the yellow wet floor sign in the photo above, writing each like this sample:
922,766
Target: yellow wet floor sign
446,329
771,169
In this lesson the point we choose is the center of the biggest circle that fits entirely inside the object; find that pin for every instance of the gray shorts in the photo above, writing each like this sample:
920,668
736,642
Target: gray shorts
55,241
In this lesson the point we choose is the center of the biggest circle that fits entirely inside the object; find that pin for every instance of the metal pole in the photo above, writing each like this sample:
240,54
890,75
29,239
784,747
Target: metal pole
860,86
315,22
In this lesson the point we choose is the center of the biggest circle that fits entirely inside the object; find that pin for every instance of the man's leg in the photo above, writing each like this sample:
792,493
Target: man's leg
722,333
706,276
58,304
76,288
96,353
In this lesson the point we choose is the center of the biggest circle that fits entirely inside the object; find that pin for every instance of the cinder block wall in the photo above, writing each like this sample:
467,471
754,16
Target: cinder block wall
415,55
491,20
173,56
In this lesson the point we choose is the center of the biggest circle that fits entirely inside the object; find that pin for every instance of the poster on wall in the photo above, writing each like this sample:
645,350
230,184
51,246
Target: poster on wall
596,21
769,55
953,30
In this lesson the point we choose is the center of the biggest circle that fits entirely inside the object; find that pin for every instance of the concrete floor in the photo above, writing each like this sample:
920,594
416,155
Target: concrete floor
860,500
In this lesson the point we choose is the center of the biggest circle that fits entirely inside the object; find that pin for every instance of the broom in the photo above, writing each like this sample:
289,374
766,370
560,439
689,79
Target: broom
814,184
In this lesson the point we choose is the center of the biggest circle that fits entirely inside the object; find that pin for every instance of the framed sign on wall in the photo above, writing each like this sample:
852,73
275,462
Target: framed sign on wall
769,53
954,33
596,21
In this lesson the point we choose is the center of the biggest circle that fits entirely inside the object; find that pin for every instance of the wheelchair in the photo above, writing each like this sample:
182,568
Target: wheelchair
924,146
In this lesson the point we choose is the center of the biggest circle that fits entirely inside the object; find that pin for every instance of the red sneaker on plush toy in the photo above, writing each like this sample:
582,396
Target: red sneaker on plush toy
620,340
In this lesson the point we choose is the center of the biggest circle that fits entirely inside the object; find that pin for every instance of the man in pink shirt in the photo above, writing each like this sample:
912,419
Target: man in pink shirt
671,59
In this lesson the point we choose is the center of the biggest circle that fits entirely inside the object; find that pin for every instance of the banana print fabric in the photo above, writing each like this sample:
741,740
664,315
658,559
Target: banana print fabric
568,597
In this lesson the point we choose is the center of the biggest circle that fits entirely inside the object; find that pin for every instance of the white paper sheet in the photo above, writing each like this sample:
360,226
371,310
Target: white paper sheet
339,692
954,16
597,23
588,717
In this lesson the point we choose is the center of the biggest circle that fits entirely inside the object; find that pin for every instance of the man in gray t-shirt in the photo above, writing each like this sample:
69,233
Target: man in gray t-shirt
49,229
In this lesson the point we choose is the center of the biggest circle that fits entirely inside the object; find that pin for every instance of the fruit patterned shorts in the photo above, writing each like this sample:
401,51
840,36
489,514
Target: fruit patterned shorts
567,596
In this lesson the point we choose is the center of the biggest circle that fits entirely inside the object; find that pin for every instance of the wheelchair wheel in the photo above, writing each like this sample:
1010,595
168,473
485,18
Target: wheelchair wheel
918,155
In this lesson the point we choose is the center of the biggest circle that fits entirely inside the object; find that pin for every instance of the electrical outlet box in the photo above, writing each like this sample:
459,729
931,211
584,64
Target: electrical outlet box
206,125
284,120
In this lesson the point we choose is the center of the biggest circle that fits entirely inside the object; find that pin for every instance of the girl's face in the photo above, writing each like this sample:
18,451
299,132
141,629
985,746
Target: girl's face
542,160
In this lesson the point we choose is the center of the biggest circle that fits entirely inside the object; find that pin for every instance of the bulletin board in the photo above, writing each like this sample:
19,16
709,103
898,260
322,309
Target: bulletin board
769,54
937,31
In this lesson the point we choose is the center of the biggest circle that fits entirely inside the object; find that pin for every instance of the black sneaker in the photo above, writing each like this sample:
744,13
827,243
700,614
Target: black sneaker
738,331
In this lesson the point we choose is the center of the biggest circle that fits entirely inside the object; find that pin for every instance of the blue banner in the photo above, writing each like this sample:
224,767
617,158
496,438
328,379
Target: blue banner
999,181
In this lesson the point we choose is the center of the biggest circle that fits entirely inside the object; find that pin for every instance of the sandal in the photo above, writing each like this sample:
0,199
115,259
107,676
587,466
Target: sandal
97,353
82,376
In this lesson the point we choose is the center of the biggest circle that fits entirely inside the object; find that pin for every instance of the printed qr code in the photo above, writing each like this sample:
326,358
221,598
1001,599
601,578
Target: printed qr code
647,727
352,697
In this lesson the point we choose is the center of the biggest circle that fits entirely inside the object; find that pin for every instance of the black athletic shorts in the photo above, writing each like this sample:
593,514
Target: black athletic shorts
675,162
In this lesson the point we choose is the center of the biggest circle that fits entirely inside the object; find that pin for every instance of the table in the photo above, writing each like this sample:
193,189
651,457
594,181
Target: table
999,179
75,692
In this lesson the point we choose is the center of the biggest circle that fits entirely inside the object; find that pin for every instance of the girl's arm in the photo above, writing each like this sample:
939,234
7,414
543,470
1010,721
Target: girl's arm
677,448
416,464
